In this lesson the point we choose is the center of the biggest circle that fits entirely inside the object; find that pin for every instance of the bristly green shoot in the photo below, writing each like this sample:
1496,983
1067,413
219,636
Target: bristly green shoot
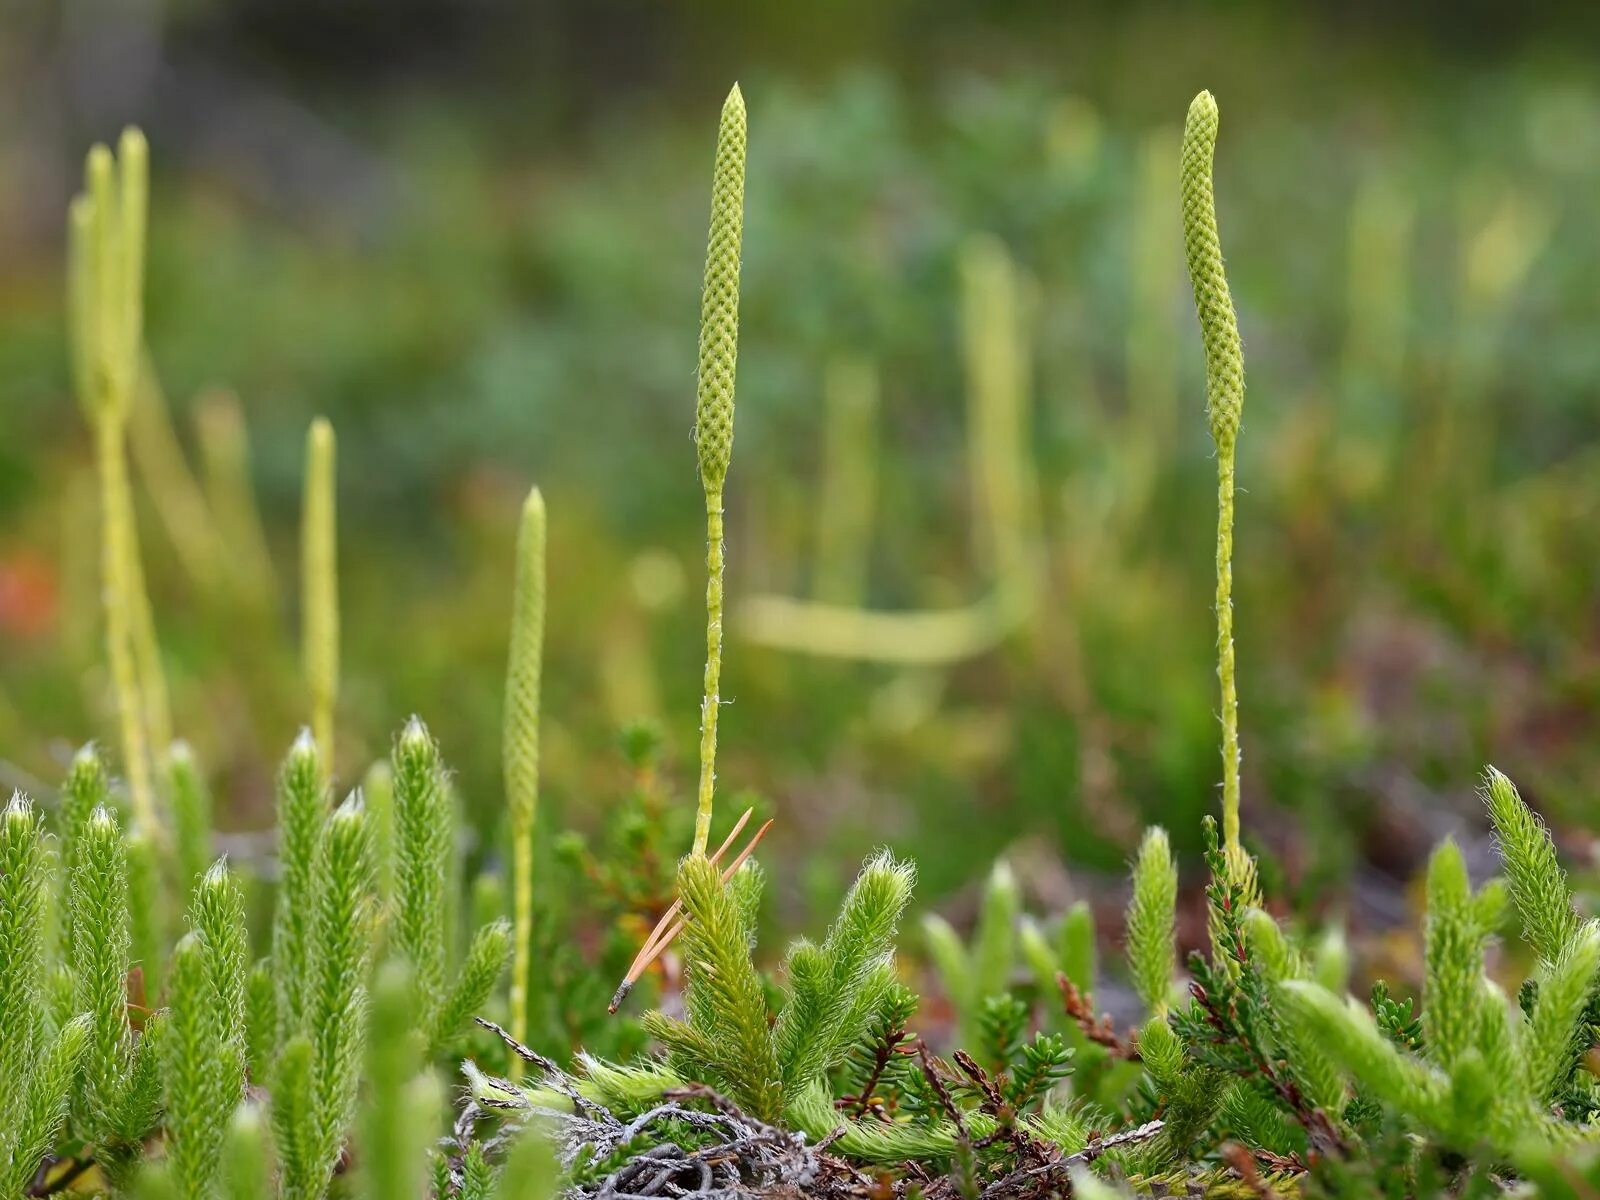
1152,955
100,965
302,806
1452,1007
713,425
424,832
216,914
261,1021
201,1072
37,1066
336,1000
727,1033
22,949
520,746
319,585
1219,332
1538,884
777,1067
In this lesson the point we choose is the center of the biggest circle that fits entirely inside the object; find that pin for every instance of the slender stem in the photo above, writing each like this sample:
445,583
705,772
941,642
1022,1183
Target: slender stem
155,700
115,585
520,744
712,699
1219,334
1225,671
522,919
319,584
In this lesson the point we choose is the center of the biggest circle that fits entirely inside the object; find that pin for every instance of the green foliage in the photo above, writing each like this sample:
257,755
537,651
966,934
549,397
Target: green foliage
727,1035
202,1072
1219,333
1152,957
216,915
713,419
423,870
302,806
1266,1060
1451,1000
520,742
1538,884
341,945
37,1065
831,1000
424,828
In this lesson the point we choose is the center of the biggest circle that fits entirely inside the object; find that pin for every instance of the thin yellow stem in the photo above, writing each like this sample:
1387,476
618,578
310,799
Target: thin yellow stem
319,582
520,745
712,700
522,920
115,586
1225,671
154,699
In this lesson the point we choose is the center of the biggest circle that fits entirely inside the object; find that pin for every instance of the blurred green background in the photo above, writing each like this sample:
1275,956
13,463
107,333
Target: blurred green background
471,234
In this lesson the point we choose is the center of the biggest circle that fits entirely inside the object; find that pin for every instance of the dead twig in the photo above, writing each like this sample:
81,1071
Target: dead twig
670,925
1097,1028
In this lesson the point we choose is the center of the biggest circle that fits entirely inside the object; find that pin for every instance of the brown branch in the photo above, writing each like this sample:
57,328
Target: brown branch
1097,1028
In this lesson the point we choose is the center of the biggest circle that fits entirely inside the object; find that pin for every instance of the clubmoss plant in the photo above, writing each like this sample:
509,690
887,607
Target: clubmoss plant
37,1065
520,746
335,998
302,805
424,852
107,243
1152,957
119,1090
713,424
216,918
1219,333
202,1072
319,585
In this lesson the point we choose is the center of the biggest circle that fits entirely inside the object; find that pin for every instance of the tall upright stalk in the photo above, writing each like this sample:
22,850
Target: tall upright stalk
520,747
1219,331
107,241
713,425
319,586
